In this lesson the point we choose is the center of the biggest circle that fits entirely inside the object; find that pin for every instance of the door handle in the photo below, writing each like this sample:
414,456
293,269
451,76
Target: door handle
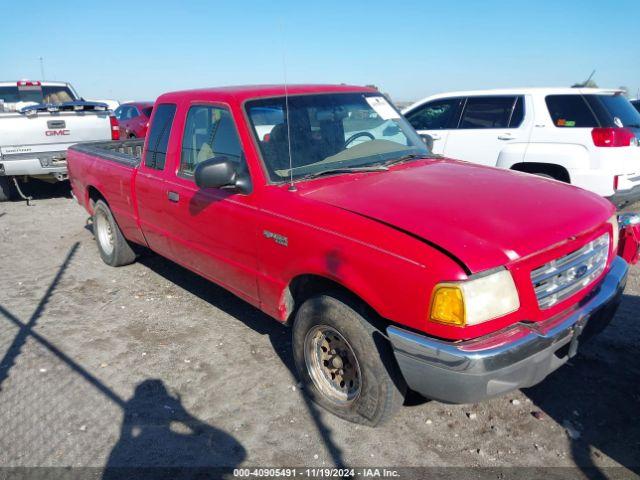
505,136
435,136
173,196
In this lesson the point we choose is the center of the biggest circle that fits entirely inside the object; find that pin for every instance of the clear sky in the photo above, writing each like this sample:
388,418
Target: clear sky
410,49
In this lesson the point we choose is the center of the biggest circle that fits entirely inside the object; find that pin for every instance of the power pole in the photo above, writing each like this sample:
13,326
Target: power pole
42,68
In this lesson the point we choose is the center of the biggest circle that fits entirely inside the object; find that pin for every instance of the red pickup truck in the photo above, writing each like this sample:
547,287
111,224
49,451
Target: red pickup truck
395,268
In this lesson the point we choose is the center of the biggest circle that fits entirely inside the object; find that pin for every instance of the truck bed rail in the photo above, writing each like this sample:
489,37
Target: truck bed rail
128,152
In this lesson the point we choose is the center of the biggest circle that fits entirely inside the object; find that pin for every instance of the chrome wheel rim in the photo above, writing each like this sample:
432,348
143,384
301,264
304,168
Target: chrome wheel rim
332,365
104,232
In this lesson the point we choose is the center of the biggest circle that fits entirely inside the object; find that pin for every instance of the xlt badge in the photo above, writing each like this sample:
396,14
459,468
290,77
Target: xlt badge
279,239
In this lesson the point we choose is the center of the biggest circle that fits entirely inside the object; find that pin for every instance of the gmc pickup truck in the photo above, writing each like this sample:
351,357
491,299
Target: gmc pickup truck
395,268
38,122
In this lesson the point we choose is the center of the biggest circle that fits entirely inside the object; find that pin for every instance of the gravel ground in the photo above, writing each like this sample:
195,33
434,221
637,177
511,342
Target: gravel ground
151,365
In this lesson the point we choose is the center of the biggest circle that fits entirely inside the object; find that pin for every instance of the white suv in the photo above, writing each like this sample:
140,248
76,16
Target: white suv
584,136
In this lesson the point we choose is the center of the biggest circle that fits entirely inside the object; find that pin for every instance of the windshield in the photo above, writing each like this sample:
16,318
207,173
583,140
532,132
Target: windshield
329,132
36,94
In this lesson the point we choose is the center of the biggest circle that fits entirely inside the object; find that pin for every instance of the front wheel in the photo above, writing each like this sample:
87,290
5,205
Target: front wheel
113,247
345,364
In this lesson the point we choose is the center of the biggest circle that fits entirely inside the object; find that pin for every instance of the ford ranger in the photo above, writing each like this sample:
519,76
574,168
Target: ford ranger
38,122
395,268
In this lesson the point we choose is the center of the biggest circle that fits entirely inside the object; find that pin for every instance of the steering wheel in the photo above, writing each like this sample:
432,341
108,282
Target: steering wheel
358,135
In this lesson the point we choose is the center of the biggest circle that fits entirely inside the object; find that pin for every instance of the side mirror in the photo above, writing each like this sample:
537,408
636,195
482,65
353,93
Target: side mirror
220,172
428,140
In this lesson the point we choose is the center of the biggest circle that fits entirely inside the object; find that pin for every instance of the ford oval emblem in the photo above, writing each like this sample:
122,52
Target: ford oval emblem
581,271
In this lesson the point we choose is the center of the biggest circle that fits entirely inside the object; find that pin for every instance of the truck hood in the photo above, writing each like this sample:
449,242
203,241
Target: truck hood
485,217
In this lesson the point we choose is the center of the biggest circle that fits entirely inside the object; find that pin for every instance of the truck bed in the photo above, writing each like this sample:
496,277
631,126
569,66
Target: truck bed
127,152
107,170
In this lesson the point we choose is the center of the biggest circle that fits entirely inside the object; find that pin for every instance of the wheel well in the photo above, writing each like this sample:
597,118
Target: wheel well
94,196
556,171
303,287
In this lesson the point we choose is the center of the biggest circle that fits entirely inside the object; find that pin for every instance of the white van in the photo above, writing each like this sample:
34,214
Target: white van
583,136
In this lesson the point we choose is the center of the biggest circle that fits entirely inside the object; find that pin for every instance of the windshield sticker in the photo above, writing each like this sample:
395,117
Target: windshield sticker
382,108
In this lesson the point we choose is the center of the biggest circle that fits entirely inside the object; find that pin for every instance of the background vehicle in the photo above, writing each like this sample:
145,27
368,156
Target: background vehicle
395,268
112,104
133,118
586,137
38,122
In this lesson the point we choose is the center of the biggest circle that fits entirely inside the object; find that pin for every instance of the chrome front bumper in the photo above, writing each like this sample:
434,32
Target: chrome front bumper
518,356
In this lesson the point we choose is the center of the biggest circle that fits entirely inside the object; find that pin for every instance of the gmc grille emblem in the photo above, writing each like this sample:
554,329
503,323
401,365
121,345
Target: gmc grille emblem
56,133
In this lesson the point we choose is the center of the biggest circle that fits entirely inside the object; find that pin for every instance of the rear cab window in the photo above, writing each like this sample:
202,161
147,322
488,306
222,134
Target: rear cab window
158,137
34,94
492,112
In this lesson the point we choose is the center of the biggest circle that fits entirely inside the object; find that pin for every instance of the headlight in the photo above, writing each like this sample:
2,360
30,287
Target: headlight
615,236
474,301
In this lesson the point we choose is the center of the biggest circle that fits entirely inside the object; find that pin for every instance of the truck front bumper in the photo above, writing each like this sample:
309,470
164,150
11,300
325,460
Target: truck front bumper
519,356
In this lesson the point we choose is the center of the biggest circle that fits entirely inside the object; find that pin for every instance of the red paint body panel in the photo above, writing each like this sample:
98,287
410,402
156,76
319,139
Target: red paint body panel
630,244
390,237
483,216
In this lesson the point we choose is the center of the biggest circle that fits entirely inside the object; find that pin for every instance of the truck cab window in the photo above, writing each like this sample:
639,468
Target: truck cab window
209,132
158,137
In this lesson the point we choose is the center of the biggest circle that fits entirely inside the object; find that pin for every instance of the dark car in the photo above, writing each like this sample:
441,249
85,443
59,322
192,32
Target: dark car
133,118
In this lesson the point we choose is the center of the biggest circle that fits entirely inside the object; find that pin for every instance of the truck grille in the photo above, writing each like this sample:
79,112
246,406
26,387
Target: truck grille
561,278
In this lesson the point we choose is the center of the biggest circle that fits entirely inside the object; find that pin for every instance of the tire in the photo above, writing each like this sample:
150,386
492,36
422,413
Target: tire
7,189
113,247
369,387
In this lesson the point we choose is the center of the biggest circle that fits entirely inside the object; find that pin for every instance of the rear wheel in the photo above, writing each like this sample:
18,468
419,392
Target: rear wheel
113,247
7,189
345,363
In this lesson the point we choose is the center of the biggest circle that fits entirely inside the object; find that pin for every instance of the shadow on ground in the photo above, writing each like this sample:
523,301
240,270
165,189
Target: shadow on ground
159,438
596,396
279,335
39,190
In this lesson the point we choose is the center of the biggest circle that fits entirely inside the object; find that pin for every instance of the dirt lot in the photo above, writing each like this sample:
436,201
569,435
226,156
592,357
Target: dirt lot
152,365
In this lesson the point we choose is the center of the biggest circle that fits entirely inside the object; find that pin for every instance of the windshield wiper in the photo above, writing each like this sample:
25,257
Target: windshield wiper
404,158
335,171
